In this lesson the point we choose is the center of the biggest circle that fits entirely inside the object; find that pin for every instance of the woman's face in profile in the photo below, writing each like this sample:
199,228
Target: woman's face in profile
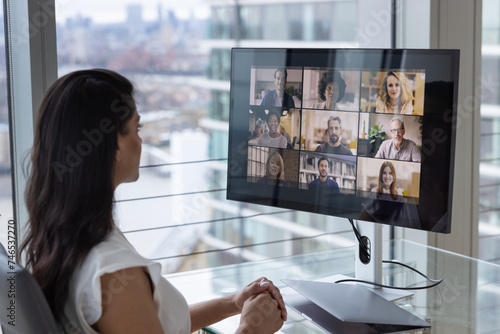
332,92
274,168
129,150
387,177
393,87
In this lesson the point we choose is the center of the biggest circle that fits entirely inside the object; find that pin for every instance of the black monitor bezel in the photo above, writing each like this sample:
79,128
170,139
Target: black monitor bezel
439,133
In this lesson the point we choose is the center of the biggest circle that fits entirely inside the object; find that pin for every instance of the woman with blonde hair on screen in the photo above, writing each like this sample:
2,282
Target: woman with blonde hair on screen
395,95
275,171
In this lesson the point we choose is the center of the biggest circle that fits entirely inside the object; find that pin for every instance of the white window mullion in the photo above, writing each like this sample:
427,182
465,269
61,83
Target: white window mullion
32,67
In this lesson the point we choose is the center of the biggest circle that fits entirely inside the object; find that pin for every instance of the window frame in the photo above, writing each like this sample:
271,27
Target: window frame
30,43
32,67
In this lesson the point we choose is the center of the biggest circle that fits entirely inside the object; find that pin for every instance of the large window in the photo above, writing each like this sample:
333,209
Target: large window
6,212
489,168
179,59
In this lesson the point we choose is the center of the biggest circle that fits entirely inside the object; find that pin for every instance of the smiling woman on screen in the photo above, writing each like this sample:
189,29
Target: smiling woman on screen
395,96
272,138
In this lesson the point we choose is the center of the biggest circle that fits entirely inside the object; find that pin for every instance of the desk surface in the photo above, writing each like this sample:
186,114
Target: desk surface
467,301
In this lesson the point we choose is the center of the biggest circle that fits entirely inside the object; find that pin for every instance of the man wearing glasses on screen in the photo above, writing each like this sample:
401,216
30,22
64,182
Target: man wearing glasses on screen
398,148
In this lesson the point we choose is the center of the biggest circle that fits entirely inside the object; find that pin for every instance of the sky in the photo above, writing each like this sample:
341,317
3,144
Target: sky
107,11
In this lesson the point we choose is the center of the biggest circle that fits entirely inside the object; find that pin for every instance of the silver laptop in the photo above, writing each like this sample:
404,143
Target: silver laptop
349,308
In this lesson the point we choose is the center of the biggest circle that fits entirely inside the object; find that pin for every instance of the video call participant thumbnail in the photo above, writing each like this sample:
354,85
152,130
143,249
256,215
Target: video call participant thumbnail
387,202
323,183
387,182
274,171
278,97
331,90
395,96
273,138
334,144
398,148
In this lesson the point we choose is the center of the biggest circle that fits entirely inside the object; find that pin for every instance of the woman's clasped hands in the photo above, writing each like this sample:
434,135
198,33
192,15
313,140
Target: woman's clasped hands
262,308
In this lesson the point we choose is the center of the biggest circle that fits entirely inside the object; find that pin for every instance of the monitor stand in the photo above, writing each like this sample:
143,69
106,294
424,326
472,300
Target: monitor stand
319,302
371,271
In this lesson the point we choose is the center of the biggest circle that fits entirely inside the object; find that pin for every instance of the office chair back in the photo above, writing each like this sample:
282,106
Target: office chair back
24,309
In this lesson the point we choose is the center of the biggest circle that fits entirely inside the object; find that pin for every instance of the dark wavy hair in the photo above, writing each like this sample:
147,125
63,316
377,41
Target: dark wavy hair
273,113
69,193
331,76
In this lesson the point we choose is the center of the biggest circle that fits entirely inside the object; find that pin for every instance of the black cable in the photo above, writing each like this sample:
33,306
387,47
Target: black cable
435,282
389,286
411,268
363,247
366,251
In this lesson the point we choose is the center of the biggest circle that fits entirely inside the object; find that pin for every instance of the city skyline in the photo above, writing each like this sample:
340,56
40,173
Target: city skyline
115,11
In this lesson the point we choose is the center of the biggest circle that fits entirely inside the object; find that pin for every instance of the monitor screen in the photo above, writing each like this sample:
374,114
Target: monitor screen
366,134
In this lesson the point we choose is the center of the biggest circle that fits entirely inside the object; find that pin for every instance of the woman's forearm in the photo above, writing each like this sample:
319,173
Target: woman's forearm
212,311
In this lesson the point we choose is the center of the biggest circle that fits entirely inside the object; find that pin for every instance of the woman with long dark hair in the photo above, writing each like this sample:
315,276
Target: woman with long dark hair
387,181
87,143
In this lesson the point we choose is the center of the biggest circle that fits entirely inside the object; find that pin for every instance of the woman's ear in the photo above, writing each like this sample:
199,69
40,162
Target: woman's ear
118,163
119,152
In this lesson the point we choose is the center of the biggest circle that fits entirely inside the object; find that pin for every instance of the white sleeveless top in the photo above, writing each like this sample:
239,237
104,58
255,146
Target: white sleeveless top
84,306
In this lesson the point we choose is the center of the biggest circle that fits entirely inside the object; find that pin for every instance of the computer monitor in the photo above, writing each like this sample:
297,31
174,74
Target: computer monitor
381,151
365,134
